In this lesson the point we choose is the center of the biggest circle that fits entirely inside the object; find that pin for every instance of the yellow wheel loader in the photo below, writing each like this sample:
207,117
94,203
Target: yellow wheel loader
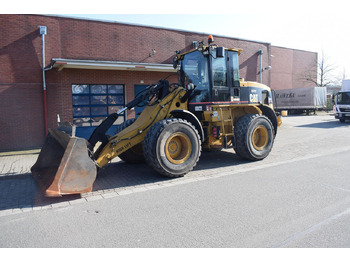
210,108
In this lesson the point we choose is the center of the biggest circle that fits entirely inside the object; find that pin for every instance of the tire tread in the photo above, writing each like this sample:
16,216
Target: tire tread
151,139
241,133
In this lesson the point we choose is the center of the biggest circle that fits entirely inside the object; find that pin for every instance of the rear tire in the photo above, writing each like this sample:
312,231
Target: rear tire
172,147
254,136
135,154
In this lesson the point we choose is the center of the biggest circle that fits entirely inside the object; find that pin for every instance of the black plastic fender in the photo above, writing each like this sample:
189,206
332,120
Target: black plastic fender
190,117
267,111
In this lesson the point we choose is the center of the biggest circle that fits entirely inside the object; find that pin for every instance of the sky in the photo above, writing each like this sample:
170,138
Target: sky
319,26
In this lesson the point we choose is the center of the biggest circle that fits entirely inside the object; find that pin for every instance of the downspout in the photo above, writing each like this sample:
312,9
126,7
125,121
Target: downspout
261,70
43,32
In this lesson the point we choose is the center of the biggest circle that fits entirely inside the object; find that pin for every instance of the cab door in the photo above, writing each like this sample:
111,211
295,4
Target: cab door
220,89
225,77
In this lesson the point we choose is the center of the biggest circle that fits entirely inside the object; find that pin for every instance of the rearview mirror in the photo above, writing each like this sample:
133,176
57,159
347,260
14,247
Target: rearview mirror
220,51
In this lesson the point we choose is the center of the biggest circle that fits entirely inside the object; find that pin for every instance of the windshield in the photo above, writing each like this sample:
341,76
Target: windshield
194,69
343,98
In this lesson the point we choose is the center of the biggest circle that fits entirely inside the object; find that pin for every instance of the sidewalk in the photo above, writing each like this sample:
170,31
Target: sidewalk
20,193
17,162
17,187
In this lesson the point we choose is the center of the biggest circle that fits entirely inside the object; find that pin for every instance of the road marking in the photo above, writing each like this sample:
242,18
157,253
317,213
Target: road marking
311,229
335,187
267,165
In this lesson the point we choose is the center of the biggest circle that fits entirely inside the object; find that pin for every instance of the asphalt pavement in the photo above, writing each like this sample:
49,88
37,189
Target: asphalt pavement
298,196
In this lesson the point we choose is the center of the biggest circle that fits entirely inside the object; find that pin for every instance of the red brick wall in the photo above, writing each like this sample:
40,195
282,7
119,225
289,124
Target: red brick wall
303,62
21,106
288,66
21,115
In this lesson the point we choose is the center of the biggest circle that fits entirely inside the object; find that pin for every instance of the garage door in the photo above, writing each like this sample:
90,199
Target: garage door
93,103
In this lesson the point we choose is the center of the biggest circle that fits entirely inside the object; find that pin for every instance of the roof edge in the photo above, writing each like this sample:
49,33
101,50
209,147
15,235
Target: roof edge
152,26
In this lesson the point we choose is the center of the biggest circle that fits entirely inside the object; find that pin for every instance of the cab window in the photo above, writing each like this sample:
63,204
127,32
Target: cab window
234,68
343,98
194,69
219,71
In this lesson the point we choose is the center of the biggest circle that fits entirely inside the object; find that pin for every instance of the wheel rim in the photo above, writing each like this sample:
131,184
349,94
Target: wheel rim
178,148
260,137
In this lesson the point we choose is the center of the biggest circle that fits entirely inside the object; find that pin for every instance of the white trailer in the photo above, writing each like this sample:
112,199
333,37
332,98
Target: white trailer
342,102
301,99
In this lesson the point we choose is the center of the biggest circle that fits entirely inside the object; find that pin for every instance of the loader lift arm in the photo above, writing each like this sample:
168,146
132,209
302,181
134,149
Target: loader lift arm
162,100
152,95
99,133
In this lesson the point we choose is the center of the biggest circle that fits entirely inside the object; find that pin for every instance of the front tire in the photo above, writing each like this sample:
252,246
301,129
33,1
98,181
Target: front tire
254,137
172,147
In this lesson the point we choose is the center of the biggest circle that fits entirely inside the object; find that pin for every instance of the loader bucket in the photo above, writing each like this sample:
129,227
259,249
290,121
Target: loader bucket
64,166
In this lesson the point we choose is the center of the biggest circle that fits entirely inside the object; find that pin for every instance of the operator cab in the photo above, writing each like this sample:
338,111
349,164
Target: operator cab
214,72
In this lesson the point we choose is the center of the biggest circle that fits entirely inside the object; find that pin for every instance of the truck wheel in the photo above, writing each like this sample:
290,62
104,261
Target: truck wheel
135,154
342,120
254,137
172,147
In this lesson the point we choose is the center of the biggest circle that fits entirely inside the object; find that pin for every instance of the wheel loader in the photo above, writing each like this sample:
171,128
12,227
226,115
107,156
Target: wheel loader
210,108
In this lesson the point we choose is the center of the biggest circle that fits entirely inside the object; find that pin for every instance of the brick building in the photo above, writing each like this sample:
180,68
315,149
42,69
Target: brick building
95,67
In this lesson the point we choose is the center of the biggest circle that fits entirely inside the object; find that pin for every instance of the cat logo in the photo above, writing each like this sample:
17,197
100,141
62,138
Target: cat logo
253,98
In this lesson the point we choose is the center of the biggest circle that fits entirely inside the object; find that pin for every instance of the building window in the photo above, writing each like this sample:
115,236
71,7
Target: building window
93,103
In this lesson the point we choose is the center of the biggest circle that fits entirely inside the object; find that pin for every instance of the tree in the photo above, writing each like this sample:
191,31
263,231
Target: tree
325,72
341,76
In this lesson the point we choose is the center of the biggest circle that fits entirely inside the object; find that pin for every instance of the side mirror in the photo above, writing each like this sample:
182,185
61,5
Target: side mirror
175,62
220,51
